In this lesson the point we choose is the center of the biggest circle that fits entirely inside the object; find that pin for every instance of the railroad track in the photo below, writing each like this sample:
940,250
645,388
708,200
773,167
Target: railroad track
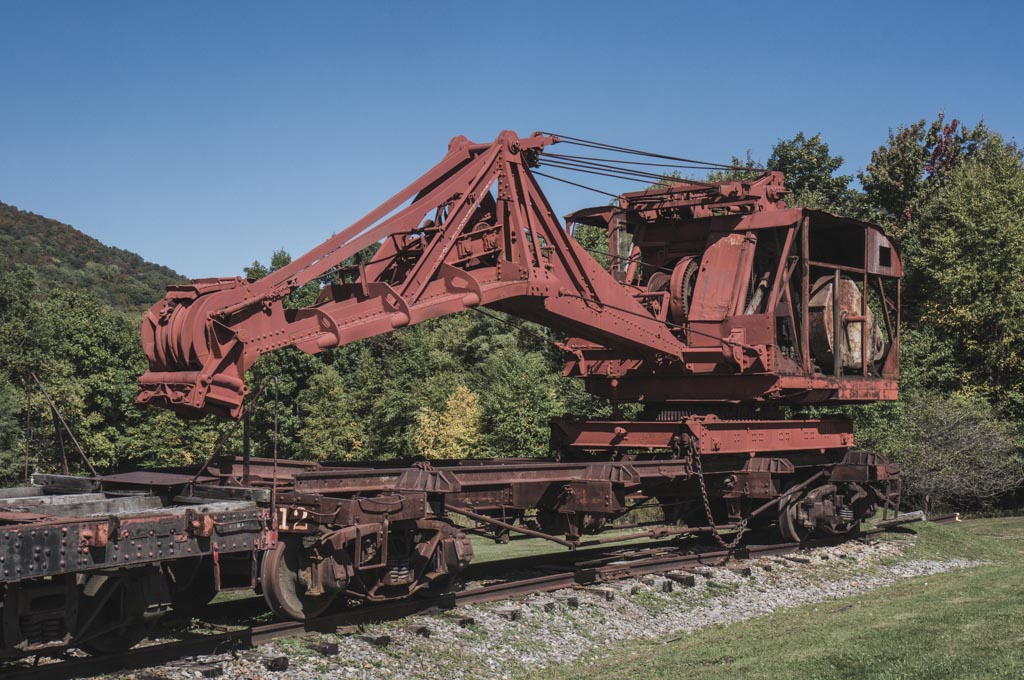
566,570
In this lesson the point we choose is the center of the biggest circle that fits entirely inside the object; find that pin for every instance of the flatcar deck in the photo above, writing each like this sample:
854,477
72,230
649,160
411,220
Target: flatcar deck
67,544
55,527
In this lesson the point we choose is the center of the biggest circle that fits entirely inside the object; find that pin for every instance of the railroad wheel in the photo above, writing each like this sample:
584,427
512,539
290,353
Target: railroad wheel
822,511
112,615
445,561
191,582
790,523
292,582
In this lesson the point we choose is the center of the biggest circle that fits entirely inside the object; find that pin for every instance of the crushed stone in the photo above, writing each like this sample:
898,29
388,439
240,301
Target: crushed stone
549,630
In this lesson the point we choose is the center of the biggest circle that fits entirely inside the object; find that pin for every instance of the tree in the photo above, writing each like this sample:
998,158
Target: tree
810,170
595,241
966,278
20,327
743,169
904,173
331,424
61,257
954,450
956,197
93,360
155,437
454,431
520,393
11,431
20,330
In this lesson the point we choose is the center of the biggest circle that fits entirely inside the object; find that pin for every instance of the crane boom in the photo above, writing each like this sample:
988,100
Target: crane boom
477,230
717,292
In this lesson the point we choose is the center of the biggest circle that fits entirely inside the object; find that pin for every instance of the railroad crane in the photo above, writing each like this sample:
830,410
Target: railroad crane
722,311
721,306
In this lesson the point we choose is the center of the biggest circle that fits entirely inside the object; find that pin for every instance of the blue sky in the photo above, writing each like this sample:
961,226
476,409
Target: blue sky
206,135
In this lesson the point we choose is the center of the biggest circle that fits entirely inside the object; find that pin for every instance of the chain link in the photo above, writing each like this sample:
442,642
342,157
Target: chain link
741,527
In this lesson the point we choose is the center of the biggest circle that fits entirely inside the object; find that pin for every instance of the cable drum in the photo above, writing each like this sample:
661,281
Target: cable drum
684,278
822,326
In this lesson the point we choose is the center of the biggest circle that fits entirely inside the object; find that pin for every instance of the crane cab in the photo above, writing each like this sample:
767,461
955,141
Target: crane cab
804,304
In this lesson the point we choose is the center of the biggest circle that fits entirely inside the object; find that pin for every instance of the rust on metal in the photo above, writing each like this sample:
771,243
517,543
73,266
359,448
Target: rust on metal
721,308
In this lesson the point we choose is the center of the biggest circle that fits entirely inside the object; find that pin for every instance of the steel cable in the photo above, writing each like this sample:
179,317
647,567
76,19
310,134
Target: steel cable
650,154
575,184
615,167
610,170
625,162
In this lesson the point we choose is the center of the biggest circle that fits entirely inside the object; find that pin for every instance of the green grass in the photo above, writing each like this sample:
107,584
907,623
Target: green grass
486,550
962,624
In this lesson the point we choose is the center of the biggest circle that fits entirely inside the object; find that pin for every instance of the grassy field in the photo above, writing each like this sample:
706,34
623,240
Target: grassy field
962,624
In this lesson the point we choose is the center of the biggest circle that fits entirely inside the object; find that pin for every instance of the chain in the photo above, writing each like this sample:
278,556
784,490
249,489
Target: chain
741,527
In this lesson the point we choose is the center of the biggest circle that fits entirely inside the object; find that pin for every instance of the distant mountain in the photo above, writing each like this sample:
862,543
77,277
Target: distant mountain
64,257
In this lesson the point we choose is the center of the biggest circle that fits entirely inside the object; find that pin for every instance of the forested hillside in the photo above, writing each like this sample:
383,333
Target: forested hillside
63,257
478,384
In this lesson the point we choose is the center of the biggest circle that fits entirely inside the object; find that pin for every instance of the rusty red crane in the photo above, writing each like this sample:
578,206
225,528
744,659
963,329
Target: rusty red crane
720,305
721,310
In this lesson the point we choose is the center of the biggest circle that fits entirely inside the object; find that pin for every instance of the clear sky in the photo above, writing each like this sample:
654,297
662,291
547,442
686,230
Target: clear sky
204,135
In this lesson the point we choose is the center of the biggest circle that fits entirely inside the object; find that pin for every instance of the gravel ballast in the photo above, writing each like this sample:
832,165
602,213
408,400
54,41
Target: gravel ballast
552,628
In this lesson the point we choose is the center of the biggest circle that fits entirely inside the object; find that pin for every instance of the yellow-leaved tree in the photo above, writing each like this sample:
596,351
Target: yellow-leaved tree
453,431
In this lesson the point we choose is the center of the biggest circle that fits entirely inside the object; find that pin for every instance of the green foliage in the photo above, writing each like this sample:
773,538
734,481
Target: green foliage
904,174
293,371
958,199
954,450
955,196
522,395
401,395
19,327
595,241
93,364
12,401
158,438
64,258
88,357
928,360
744,169
966,275
810,170
330,423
